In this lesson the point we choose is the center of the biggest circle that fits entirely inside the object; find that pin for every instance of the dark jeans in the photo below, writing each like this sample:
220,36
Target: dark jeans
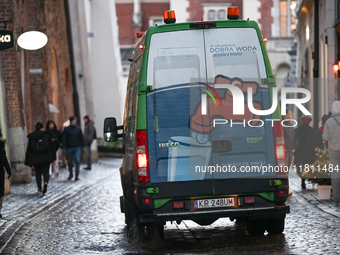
89,160
44,170
76,151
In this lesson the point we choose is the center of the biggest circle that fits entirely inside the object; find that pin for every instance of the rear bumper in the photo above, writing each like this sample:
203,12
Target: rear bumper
250,213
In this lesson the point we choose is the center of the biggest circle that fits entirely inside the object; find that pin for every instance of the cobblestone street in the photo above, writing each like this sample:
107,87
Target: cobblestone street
84,218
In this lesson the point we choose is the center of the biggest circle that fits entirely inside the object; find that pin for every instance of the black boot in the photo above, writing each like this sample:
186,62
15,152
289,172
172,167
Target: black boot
70,176
45,188
77,175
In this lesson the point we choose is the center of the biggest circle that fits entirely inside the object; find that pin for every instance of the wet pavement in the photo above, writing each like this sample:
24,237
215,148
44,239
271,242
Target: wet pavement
84,217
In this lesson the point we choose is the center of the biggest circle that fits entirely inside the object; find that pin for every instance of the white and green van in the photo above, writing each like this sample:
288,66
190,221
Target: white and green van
193,148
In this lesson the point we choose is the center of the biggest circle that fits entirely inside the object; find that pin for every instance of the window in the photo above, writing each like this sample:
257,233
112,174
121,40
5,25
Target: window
284,31
211,15
221,14
214,10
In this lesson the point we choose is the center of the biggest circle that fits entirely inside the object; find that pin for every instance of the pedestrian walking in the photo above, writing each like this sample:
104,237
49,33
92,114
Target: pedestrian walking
289,134
40,154
331,133
304,153
89,136
317,137
52,130
4,165
290,140
73,142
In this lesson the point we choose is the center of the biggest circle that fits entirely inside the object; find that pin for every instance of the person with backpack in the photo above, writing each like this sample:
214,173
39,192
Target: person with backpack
4,165
331,133
304,152
40,154
89,136
52,130
73,142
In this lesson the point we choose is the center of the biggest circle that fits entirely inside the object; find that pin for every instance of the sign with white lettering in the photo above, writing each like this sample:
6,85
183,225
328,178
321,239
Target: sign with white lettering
6,40
32,40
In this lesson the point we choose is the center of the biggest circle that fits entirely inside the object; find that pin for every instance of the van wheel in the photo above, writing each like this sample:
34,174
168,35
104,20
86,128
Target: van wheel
155,232
256,227
134,234
276,226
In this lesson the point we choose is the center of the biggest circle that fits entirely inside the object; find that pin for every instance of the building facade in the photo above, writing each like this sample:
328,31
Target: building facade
33,80
318,33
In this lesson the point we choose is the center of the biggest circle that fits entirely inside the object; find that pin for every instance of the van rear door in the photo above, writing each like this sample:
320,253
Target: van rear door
176,60
185,67
245,144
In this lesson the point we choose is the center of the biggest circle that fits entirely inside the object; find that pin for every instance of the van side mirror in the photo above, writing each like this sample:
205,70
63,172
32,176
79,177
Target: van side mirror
111,130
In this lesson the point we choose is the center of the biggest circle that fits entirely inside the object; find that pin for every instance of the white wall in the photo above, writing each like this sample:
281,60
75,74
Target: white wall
251,10
180,8
106,68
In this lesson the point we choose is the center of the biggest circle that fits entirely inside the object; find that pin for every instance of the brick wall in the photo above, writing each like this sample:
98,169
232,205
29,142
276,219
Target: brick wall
266,19
127,33
27,75
10,62
49,17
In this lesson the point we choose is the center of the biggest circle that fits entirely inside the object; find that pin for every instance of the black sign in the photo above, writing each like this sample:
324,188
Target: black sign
6,39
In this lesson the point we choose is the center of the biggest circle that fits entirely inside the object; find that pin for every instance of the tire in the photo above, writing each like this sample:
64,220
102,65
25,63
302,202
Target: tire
134,229
155,232
256,227
134,234
276,226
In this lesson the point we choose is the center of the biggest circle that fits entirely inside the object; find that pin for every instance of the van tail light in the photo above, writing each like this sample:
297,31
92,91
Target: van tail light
142,156
249,200
280,150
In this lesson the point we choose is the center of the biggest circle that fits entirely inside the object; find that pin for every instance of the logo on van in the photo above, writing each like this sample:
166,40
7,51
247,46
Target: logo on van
254,139
202,120
235,108
167,145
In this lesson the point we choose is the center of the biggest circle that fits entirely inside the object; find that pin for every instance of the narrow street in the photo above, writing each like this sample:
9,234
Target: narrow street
84,218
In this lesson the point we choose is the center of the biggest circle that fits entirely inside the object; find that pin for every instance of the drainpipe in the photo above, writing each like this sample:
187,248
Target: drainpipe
137,15
316,66
73,71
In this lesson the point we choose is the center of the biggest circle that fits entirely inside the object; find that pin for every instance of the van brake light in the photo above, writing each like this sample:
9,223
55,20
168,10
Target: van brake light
203,24
142,156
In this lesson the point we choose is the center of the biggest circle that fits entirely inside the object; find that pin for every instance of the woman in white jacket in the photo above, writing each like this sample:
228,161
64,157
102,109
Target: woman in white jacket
331,133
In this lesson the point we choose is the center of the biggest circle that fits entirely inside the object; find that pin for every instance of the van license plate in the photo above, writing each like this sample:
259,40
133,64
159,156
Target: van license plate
217,202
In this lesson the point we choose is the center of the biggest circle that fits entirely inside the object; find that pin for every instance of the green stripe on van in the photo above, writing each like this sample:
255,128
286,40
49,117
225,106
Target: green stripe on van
160,202
267,195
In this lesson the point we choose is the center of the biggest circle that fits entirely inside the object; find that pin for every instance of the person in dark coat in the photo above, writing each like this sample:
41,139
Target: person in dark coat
73,142
289,134
318,142
51,128
4,165
40,160
304,153
89,133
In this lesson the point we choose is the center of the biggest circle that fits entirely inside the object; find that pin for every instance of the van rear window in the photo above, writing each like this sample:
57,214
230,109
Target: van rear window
176,58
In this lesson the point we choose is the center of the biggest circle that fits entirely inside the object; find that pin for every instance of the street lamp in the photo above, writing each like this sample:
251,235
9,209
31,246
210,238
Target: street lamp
336,67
